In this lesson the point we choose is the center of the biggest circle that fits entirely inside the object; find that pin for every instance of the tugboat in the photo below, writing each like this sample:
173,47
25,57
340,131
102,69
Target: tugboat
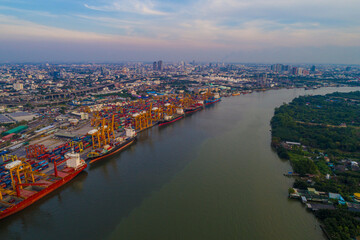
114,146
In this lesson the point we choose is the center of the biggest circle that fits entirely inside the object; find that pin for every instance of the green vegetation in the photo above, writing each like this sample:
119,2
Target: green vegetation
315,121
302,164
328,130
339,224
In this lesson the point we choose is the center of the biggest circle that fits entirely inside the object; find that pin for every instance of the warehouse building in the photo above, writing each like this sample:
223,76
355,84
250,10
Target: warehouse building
22,116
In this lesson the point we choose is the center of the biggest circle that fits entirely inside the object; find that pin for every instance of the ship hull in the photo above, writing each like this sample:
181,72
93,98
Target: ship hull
210,102
112,152
34,198
164,122
192,110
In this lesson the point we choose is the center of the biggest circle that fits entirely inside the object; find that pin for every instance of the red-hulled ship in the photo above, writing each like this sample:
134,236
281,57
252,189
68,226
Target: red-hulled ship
213,100
173,118
29,186
194,108
114,147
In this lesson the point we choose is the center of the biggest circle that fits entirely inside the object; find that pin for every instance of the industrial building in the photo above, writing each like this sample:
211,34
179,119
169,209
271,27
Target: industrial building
5,119
22,116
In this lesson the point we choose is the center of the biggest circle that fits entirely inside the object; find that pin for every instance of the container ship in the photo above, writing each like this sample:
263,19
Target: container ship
113,147
172,118
194,108
212,100
28,186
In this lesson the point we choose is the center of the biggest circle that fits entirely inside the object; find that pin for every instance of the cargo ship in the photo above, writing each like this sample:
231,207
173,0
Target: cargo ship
212,100
173,118
114,147
29,186
194,108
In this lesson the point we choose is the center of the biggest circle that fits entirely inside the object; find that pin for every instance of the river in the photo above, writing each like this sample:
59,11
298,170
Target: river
212,175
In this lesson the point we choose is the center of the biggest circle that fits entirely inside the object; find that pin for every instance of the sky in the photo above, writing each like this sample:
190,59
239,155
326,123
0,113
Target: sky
263,31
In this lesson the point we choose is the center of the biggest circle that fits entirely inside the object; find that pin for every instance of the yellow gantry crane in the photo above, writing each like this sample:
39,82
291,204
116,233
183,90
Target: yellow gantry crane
104,133
17,169
142,120
187,101
95,119
79,144
6,191
8,157
157,114
169,109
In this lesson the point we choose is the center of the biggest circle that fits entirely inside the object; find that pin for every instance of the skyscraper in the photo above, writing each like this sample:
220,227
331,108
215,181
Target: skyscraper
154,66
160,66
294,71
277,67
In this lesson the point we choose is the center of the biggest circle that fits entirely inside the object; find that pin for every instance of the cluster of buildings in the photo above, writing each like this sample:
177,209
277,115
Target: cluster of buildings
25,80
294,71
44,91
316,200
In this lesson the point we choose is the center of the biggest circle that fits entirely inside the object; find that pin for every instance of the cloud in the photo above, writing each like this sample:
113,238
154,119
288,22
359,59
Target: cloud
192,33
32,12
15,29
211,26
134,6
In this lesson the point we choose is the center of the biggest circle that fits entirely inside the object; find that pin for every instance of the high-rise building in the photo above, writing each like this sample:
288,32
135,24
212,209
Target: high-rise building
261,78
154,66
277,67
160,66
300,71
287,68
313,68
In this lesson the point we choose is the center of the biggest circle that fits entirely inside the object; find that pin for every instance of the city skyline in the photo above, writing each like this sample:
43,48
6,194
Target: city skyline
204,30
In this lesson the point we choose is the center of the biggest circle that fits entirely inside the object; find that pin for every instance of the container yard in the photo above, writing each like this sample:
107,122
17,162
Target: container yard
52,157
